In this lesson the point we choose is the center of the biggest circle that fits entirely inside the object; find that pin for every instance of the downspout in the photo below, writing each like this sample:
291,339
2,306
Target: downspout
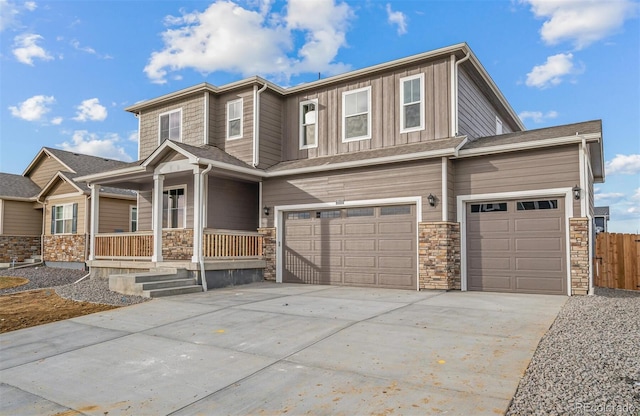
584,182
454,92
256,123
203,276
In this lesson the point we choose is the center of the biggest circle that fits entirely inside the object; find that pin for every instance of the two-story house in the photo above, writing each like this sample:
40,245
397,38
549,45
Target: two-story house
44,212
414,174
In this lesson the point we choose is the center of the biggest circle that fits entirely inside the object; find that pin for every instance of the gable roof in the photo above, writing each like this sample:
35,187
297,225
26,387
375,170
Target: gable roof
74,162
601,212
17,187
82,187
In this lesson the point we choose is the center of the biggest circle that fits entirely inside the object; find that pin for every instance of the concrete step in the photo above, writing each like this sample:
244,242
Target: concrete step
157,293
155,277
164,284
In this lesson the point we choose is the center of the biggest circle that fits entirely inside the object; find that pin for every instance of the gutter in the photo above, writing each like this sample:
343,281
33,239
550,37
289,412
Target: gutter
528,145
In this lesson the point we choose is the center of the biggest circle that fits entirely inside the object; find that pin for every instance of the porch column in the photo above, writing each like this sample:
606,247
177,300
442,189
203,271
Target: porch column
95,209
156,221
197,217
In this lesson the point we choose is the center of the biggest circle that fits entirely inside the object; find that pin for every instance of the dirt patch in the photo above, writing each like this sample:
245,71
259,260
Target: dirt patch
7,282
37,307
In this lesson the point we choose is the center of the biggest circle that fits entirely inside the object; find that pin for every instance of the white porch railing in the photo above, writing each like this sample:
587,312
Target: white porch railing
225,244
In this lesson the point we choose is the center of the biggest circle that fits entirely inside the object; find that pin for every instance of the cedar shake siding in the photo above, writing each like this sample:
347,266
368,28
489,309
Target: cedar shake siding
386,181
21,218
384,112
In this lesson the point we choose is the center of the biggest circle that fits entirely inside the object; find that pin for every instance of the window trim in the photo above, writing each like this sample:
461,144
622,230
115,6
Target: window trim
186,206
167,113
54,226
131,208
313,101
420,127
344,115
241,118
499,126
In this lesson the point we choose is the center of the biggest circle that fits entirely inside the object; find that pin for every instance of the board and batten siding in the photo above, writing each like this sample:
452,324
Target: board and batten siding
385,112
82,209
21,218
114,215
191,127
232,205
376,182
548,168
242,148
271,107
44,170
476,115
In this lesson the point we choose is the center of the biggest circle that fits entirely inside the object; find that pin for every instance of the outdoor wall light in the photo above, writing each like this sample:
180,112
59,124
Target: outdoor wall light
576,192
266,210
432,200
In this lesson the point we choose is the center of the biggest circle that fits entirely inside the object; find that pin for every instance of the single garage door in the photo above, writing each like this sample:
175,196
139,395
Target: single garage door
368,246
517,246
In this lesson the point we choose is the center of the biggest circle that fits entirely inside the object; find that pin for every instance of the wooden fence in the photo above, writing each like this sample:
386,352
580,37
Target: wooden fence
617,261
231,245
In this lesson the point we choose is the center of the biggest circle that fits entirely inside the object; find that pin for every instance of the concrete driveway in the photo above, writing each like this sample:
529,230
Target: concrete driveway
271,348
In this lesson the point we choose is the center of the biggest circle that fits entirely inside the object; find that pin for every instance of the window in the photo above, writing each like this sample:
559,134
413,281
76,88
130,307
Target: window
412,111
329,214
531,205
133,218
360,212
356,114
170,125
173,208
396,210
234,119
308,123
298,215
498,125
494,207
64,219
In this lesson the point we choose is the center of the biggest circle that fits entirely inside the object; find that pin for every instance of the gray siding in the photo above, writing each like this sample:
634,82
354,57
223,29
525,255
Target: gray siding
270,129
476,115
21,218
385,112
390,181
451,169
241,148
192,127
232,205
519,171
144,210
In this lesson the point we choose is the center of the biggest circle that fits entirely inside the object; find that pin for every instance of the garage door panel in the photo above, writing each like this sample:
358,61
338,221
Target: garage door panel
400,227
538,284
539,264
533,244
493,283
396,245
328,260
539,225
359,261
493,224
327,245
368,279
492,263
331,227
495,244
396,280
360,229
299,230
359,245
300,245
396,262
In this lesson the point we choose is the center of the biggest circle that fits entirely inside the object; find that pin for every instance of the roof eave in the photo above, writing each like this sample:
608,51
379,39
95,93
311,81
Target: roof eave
112,174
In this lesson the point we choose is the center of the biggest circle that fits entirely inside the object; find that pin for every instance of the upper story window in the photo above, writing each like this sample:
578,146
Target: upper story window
498,126
356,114
133,218
171,125
64,219
412,99
174,208
234,119
308,124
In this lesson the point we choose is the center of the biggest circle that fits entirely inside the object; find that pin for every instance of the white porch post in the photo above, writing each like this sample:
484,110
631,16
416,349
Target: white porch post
197,207
158,187
95,209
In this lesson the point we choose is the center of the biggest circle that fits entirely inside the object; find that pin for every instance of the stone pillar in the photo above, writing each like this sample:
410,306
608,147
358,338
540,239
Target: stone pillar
439,255
158,188
269,252
579,255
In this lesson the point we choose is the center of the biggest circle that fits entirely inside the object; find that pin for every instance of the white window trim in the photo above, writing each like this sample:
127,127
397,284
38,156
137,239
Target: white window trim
166,113
131,207
422,94
63,219
499,129
229,104
302,125
344,116
186,206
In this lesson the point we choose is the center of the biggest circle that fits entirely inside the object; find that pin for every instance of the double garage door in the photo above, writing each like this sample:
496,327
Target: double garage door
517,246
363,246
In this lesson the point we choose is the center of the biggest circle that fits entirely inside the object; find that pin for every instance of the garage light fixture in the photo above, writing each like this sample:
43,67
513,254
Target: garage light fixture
432,200
576,192
266,210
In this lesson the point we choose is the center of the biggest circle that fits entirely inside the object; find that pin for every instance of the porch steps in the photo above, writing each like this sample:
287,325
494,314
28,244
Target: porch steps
155,283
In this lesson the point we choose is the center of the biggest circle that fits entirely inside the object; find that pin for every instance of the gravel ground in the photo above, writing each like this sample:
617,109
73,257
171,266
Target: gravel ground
89,290
589,360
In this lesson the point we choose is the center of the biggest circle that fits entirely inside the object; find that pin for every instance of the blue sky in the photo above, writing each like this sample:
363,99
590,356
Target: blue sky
68,68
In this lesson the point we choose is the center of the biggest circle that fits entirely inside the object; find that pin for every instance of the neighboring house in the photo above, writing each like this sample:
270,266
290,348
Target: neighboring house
46,201
601,218
414,174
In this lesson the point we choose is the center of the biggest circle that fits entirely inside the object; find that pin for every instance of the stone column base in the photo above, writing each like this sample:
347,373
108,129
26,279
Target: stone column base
579,256
439,255
269,252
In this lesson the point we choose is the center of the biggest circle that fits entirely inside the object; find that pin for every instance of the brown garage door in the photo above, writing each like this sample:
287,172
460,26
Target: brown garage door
517,246
370,246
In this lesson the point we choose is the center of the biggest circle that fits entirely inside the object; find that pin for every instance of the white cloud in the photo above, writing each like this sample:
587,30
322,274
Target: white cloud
76,45
623,165
133,136
9,12
30,5
91,144
228,37
538,116
581,22
609,197
34,108
56,121
91,110
26,48
551,72
397,18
